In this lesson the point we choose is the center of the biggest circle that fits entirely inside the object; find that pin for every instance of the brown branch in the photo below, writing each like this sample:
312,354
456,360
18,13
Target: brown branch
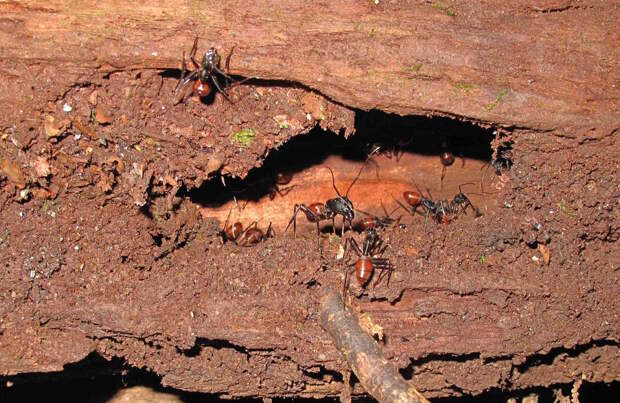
380,378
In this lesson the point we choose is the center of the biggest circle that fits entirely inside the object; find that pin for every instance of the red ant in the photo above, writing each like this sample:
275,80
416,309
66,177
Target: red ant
318,212
447,159
390,150
281,179
373,221
203,73
366,263
415,199
248,237
445,210
503,162
442,211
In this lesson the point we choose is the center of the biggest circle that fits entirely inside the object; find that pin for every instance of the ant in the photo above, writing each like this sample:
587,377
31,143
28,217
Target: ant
373,221
391,150
415,199
272,183
203,73
447,159
503,162
317,212
281,179
458,205
251,236
442,210
366,263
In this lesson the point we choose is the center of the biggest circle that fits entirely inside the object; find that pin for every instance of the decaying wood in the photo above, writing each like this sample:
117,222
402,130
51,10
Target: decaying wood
244,323
509,62
375,373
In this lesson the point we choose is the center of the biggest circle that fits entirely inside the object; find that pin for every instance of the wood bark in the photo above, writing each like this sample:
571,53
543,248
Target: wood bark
548,72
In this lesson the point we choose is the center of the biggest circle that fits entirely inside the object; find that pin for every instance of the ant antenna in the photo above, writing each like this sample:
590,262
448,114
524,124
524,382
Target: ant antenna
463,184
400,204
356,178
468,183
228,58
334,181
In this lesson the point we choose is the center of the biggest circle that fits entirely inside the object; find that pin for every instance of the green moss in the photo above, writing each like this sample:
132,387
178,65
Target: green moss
50,208
244,137
499,99
447,10
565,208
461,86
414,69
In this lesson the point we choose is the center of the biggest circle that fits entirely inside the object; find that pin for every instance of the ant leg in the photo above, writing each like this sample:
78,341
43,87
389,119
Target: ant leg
228,58
412,211
183,71
222,73
356,247
443,173
399,154
284,191
370,159
192,52
294,220
270,231
345,284
219,88
318,235
389,269
242,240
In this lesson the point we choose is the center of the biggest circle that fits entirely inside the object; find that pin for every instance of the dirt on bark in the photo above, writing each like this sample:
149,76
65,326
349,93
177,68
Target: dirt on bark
114,199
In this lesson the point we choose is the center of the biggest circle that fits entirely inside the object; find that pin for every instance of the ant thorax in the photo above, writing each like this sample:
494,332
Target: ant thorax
341,205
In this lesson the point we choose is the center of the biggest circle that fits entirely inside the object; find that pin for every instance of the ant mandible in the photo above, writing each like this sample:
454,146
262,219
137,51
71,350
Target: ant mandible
251,236
317,212
367,263
203,73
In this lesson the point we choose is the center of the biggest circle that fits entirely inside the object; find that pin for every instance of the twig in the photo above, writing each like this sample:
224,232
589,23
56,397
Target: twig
375,373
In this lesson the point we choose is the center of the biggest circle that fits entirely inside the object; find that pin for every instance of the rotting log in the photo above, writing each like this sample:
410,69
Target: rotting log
167,296
509,63
375,373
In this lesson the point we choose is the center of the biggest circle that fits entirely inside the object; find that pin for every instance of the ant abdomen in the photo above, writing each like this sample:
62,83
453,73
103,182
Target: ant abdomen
202,89
316,209
363,270
233,231
283,178
412,198
447,158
